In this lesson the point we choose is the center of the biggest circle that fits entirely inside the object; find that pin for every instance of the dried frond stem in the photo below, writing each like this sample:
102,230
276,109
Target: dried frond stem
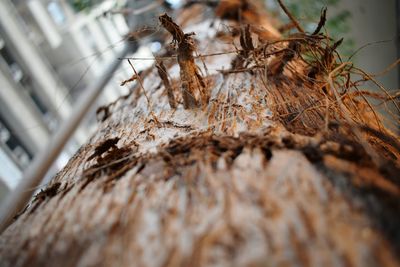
191,80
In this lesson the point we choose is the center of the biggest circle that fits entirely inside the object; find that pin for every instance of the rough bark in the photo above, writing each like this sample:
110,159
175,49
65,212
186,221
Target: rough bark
257,175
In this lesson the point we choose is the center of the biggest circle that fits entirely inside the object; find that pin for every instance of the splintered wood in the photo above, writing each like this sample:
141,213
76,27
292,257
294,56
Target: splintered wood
266,173
192,82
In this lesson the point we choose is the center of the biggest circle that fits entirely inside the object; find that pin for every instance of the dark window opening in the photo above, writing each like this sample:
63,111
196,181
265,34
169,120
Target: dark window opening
19,153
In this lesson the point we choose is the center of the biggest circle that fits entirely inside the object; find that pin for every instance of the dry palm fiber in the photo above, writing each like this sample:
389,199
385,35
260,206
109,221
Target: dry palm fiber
278,160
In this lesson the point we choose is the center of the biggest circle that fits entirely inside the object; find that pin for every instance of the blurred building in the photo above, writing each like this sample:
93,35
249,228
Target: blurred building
374,28
48,55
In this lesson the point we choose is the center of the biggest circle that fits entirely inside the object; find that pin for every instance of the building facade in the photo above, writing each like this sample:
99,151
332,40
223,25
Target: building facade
49,54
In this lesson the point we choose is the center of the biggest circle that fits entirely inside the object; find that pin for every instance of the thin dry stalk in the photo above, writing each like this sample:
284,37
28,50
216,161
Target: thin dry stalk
144,93
291,17
164,78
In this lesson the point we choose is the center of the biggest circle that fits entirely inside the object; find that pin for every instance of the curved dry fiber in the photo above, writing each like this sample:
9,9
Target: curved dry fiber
236,181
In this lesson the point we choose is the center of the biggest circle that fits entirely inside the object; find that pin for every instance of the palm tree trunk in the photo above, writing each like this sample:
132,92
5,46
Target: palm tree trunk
233,151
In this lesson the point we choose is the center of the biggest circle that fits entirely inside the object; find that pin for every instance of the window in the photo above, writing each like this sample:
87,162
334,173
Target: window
24,80
15,69
19,153
56,13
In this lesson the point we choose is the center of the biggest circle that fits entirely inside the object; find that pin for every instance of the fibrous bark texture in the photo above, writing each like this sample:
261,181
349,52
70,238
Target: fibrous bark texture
274,168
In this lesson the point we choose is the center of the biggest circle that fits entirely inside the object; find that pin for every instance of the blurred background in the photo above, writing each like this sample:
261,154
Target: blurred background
51,51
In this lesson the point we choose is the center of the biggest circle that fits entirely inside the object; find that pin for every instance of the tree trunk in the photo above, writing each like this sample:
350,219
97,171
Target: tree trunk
243,154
